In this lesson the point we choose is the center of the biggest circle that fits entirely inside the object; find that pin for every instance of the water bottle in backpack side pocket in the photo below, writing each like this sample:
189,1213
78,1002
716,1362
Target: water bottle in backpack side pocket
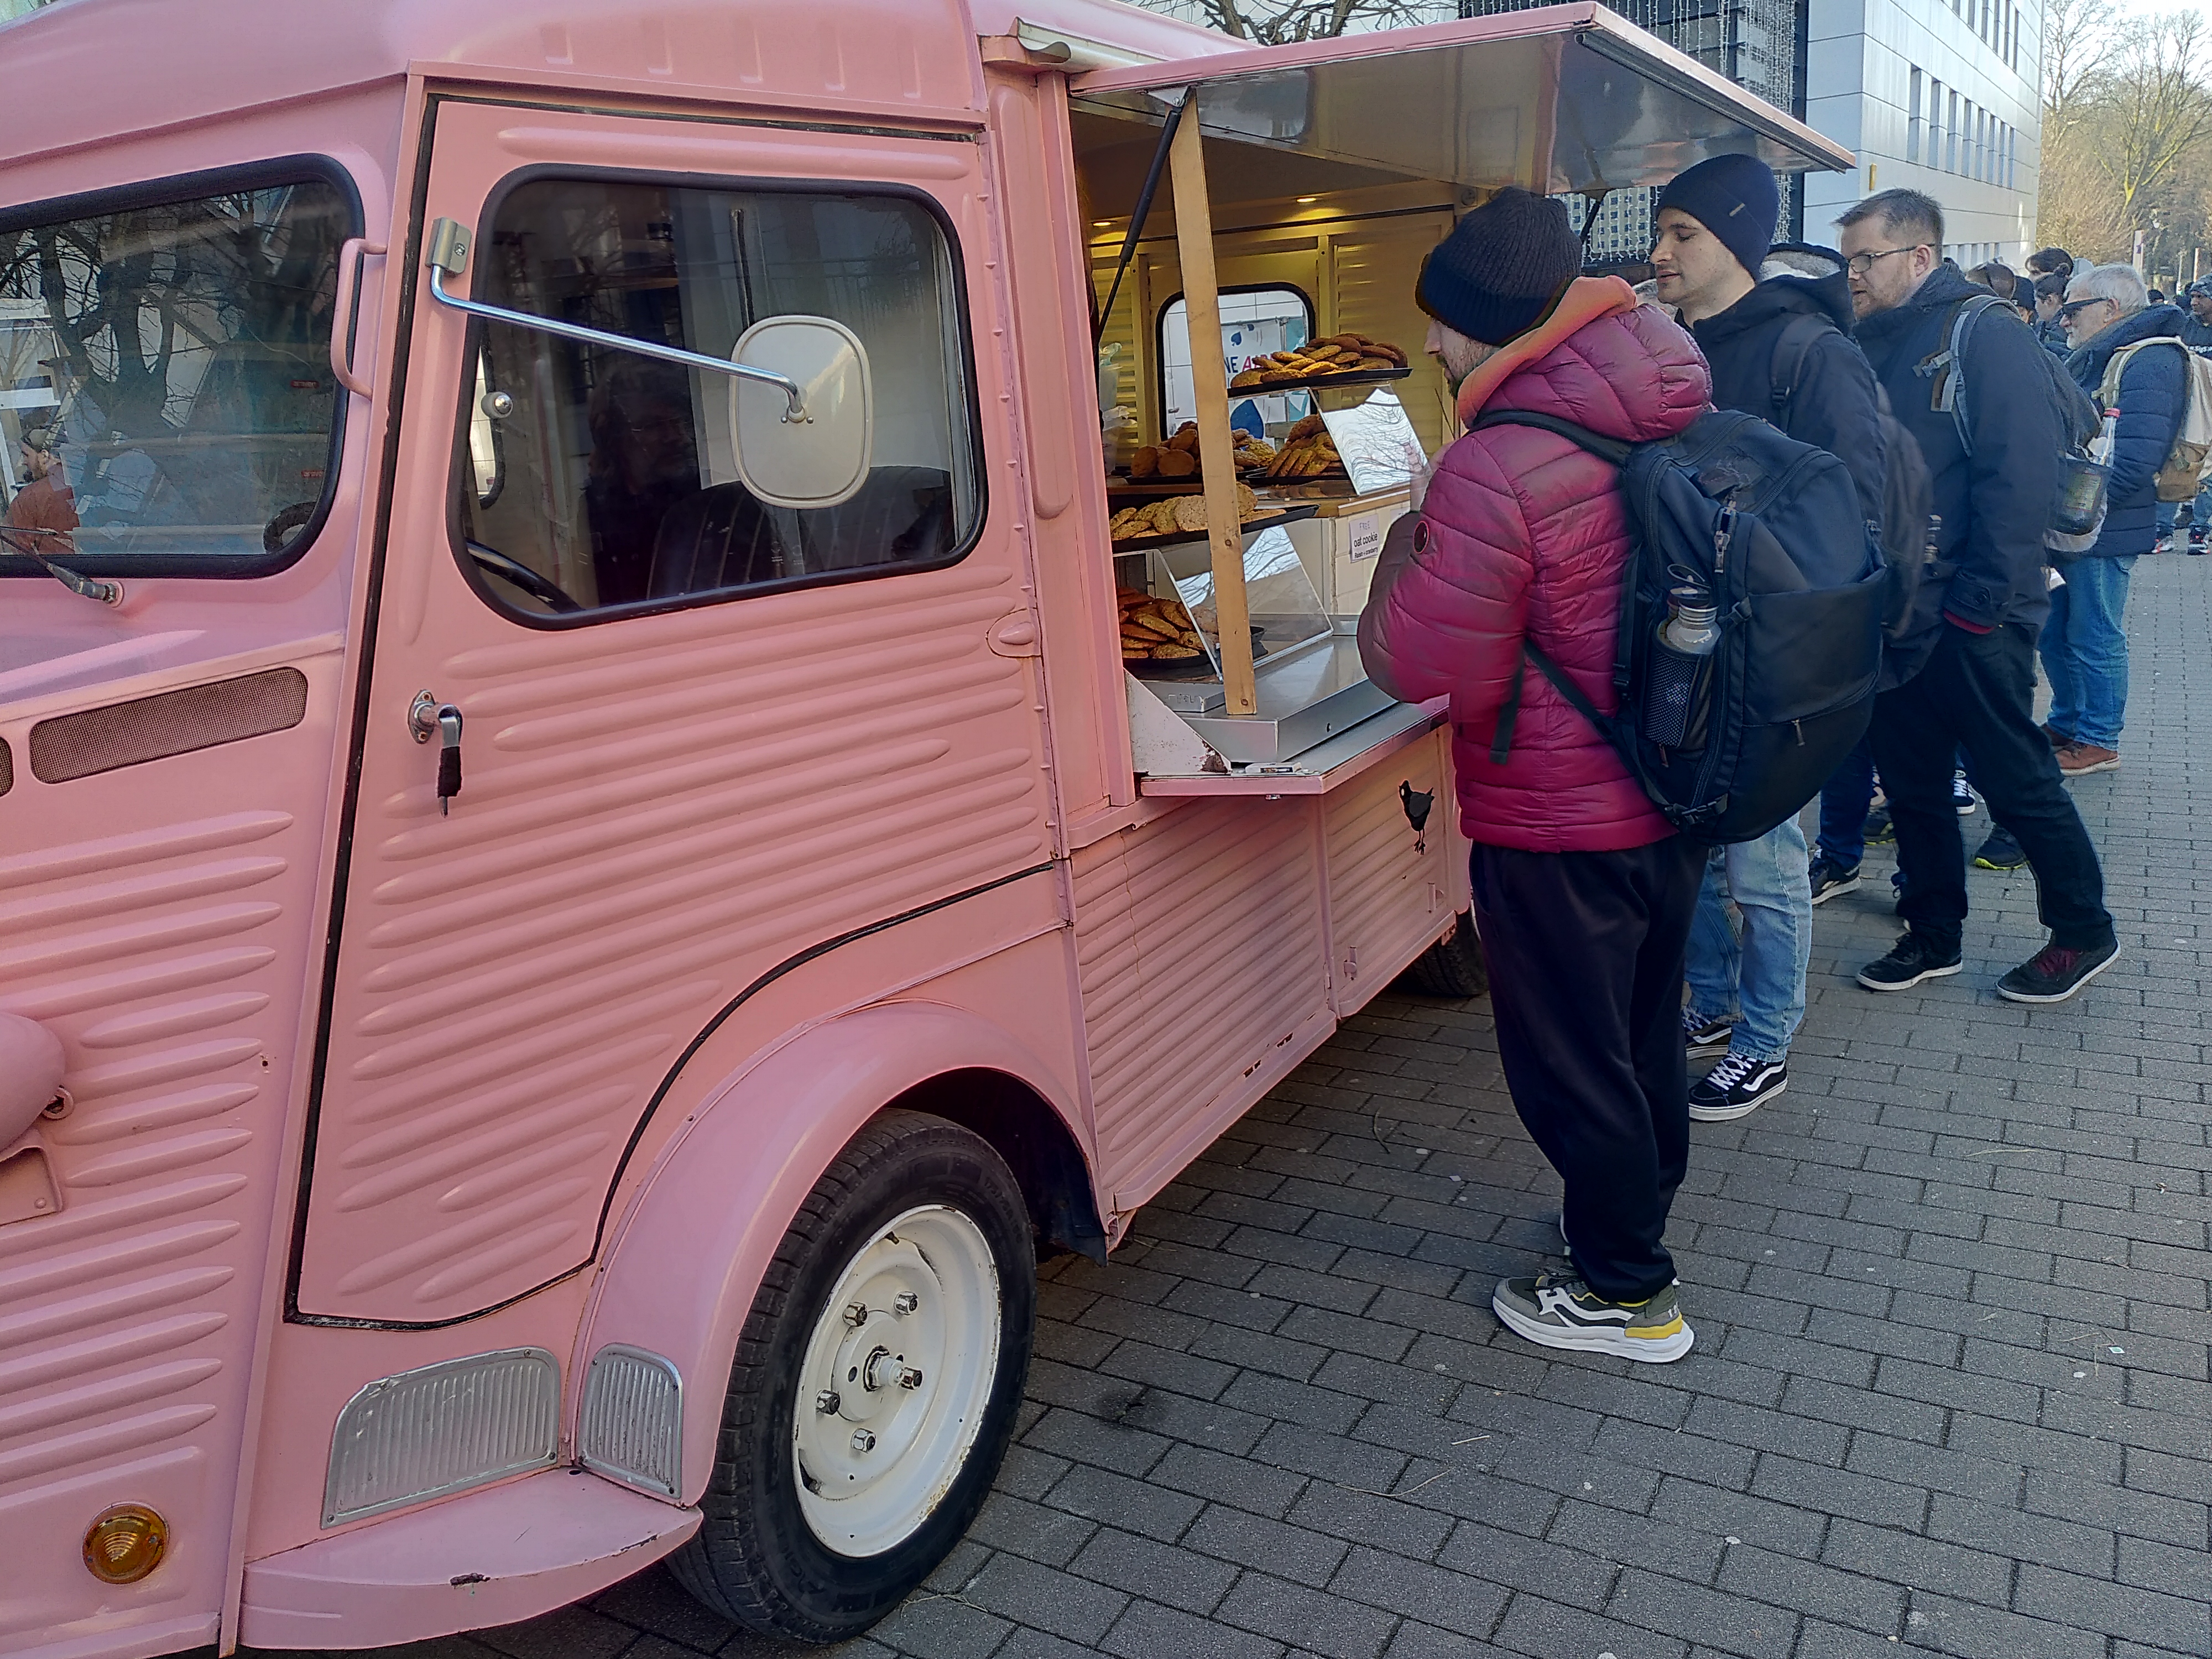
1674,690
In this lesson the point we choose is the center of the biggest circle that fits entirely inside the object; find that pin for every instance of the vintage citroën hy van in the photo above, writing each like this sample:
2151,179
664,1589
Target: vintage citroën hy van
608,823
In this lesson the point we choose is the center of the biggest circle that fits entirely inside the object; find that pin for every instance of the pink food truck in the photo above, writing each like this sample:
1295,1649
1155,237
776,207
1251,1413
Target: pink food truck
640,754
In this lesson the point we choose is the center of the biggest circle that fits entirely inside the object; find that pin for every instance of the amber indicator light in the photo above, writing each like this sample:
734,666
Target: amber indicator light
126,1544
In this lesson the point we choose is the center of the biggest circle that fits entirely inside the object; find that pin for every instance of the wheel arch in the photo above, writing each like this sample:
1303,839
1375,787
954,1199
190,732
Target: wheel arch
689,1255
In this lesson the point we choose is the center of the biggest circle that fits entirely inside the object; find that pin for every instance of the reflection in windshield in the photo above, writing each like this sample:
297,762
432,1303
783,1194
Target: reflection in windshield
172,363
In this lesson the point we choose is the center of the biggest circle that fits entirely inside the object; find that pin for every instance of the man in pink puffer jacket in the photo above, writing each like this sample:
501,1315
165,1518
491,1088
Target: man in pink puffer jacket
1582,894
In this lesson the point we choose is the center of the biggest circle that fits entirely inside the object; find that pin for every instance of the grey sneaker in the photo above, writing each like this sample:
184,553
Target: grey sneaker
1558,1311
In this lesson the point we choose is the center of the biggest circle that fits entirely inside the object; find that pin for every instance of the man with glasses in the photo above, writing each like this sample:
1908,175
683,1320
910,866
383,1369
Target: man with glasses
1983,600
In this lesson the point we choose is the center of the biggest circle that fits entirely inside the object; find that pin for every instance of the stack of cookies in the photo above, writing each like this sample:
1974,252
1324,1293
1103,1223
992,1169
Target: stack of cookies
1308,451
1175,515
1178,457
1153,630
1338,355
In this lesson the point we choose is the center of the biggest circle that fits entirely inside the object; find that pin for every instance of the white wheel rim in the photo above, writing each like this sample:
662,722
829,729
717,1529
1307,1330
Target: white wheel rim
875,1448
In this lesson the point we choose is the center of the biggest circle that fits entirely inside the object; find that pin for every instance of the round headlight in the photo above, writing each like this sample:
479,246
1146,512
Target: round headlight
126,1544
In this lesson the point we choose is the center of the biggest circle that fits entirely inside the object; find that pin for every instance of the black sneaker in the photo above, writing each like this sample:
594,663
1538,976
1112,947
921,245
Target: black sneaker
1560,1311
2000,852
1830,878
1911,960
1879,832
2055,973
1702,1036
1962,795
1735,1087
2196,542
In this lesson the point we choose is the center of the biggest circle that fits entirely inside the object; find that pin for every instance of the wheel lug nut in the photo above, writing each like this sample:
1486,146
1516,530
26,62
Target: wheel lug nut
856,1314
863,1441
910,1377
827,1401
905,1301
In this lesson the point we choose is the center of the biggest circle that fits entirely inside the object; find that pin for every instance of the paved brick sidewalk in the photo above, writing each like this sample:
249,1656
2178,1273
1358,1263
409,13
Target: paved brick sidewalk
1949,1392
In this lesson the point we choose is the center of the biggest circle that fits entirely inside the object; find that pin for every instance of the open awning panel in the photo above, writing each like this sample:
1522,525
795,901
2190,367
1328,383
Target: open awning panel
1560,98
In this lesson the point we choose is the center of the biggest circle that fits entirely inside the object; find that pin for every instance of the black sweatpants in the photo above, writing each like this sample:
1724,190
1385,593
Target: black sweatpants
1978,689
1585,953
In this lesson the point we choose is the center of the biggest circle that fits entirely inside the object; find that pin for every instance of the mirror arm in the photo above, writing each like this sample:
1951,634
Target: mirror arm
796,413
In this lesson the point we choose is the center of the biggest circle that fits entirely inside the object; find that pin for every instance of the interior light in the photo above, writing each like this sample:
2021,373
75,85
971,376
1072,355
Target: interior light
1100,224
1308,201
126,1543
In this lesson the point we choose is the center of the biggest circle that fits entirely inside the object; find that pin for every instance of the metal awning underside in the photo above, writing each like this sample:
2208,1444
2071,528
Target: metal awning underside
1568,97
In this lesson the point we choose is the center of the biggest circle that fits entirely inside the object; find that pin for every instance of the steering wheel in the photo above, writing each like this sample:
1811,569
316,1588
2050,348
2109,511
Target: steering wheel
522,576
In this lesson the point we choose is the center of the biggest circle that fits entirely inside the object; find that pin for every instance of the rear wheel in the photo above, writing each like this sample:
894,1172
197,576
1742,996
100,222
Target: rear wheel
875,1386
1452,967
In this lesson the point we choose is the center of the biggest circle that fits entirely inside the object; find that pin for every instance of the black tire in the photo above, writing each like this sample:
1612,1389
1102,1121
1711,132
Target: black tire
1452,967
755,1559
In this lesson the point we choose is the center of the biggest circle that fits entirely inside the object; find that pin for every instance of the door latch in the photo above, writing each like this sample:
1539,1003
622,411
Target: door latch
426,718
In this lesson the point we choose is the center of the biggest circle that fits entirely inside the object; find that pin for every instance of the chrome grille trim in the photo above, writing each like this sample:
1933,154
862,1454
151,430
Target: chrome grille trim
631,1426
441,1428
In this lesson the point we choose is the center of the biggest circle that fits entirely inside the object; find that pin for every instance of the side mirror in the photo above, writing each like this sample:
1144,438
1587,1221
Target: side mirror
820,458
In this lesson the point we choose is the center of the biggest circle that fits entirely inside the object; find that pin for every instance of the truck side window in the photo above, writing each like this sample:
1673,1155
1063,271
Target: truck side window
589,479
166,405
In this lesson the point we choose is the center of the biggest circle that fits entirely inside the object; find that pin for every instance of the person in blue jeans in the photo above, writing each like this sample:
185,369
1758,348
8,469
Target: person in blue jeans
1775,324
2084,644
1746,976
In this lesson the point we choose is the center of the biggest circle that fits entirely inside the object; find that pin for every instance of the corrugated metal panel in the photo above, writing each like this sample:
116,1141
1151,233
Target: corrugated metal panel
1389,889
157,919
1199,951
654,813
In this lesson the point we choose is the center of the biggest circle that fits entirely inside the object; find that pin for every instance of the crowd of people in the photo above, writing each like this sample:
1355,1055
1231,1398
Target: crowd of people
1620,950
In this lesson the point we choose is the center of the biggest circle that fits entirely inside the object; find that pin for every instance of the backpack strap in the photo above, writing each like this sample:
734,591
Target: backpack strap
1791,348
1611,450
2108,389
1948,368
1605,448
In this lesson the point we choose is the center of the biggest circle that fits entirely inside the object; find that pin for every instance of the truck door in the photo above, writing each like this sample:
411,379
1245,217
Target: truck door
699,735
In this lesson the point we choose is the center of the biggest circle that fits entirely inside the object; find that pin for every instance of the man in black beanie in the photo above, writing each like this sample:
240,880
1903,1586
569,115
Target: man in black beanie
1583,892
1780,348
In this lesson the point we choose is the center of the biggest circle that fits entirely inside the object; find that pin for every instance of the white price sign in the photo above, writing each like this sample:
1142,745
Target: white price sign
1363,535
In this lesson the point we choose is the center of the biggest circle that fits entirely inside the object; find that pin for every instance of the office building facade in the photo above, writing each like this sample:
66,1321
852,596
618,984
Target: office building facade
1935,95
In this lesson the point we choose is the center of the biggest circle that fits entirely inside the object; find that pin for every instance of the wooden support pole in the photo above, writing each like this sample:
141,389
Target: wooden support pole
1210,379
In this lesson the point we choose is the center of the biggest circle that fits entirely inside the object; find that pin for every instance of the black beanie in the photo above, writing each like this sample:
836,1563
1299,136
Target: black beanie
1501,267
1735,198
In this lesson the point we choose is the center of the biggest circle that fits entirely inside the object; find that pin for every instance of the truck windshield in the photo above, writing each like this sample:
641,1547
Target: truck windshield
167,405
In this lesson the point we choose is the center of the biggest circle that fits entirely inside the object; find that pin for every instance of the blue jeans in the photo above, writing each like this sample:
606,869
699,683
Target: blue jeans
1845,799
1761,976
2085,651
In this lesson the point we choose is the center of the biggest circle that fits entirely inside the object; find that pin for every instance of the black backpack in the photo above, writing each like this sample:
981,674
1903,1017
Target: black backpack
1772,529
1904,535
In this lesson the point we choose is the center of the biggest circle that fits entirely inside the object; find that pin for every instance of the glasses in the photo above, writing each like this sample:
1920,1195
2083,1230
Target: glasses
2074,309
1859,264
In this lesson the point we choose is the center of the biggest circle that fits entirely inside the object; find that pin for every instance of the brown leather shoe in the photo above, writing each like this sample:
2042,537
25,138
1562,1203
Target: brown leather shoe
2078,760
2059,738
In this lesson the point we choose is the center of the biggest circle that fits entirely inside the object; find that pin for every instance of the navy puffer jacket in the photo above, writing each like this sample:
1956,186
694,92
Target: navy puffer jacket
1997,503
2153,386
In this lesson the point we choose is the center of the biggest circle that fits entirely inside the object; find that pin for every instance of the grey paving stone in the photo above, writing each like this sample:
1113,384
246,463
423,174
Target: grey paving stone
1899,1557
1117,1501
1546,1630
1732,1623
1288,1552
1177,1576
1312,1619
1510,1559
1031,1595
1148,1631
2172,1621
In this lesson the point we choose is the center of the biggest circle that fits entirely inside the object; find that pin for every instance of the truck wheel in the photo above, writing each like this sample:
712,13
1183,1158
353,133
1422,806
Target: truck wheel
1452,967
875,1386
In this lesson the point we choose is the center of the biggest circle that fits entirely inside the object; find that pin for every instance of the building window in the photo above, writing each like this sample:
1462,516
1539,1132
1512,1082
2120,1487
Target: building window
1951,157
1913,122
